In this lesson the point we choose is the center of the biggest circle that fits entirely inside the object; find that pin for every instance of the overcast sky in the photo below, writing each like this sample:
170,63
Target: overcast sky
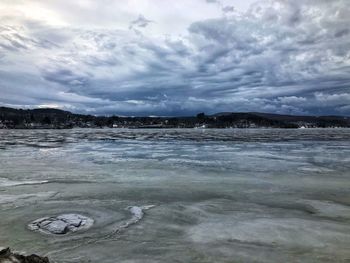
165,57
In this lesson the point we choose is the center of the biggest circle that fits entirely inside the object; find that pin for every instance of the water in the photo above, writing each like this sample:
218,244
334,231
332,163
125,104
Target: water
219,195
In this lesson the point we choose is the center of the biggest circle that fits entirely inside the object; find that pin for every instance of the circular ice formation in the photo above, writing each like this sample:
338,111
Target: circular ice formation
61,224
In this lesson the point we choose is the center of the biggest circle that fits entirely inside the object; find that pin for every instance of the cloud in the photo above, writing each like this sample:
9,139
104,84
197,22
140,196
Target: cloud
140,22
13,38
275,57
292,100
339,100
228,9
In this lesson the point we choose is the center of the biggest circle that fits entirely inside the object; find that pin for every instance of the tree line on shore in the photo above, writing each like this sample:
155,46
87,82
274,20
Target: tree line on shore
59,119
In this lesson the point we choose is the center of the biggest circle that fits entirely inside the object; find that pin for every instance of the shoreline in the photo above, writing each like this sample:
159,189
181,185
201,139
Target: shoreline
181,128
7,256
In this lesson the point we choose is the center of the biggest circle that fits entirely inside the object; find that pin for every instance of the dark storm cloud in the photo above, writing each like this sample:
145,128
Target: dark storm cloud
64,77
279,56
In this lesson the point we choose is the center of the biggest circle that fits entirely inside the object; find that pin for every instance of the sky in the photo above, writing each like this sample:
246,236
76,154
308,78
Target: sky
170,58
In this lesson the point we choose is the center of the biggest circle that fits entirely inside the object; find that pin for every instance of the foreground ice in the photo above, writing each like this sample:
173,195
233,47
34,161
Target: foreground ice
4,182
220,195
137,213
330,209
61,224
289,232
22,199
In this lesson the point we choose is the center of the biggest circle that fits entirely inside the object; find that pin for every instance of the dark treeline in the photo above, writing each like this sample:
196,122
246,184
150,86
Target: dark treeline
59,119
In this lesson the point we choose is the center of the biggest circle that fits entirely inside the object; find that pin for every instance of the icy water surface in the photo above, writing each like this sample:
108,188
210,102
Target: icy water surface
207,195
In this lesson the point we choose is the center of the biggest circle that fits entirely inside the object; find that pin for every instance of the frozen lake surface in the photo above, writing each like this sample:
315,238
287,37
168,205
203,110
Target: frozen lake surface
179,195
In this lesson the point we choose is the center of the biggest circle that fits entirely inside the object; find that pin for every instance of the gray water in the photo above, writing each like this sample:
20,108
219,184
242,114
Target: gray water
219,195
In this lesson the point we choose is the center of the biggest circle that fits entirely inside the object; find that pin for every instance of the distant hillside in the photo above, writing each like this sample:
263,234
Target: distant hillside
306,121
58,119
300,118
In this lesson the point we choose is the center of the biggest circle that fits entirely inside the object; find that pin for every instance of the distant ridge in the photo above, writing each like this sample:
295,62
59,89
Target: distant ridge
59,119
276,115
